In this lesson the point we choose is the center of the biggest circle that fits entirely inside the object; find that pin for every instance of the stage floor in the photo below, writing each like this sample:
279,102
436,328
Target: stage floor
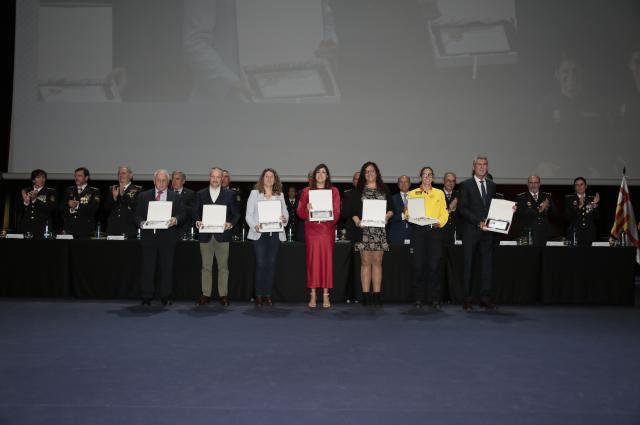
95,362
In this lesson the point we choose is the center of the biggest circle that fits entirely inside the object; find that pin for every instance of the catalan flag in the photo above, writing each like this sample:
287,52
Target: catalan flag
624,228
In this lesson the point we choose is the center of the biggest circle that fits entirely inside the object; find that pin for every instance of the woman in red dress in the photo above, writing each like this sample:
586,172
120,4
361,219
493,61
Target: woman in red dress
319,237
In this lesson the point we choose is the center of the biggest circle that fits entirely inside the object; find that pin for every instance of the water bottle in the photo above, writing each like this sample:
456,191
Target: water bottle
192,234
243,234
98,231
530,238
46,234
574,240
290,234
139,233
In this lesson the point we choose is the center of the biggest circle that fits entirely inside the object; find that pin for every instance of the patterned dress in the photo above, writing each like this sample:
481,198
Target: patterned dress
373,238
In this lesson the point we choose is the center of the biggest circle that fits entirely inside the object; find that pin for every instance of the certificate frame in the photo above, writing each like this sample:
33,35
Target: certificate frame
270,224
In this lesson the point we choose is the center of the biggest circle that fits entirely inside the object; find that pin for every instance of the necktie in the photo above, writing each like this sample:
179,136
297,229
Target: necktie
483,192
404,199
535,197
159,195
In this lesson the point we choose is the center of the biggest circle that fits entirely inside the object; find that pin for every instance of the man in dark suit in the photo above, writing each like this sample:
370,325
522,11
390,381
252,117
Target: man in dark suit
476,194
534,210
291,201
80,205
451,230
399,228
158,246
216,244
353,232
39,203
236,231
121,205
188,197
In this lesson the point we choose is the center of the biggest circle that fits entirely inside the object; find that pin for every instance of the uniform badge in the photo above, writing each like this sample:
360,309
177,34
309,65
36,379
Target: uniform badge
575,202
42,198
529,204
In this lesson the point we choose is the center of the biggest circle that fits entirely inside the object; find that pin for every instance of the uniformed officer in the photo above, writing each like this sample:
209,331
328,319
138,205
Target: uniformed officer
581,211
534,210
451,230
38,202
236,231
121,205
188,198
79,206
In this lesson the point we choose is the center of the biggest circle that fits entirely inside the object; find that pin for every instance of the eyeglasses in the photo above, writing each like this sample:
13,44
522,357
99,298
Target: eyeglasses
427,175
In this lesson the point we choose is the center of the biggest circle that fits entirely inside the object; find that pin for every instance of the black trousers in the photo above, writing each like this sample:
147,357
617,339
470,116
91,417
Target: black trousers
427,246
157,254
477,243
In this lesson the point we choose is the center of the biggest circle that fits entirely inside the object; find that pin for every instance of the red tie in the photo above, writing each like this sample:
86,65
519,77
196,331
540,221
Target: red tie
158,195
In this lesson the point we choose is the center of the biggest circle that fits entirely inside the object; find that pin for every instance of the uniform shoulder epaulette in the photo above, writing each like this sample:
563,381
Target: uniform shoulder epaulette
546,193
135,186
521,194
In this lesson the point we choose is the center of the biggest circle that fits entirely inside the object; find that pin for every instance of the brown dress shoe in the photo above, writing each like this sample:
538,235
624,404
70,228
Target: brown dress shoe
224,301
467,306
488,305
267,301
203,300
259,300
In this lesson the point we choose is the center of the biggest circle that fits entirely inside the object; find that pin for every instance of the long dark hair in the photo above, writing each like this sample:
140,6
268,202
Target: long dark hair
314,183
277,185
362,181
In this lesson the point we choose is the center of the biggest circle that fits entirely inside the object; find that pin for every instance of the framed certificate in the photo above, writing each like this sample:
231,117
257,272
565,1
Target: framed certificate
213,218
417,212
269,213
374,213
158,215
322,205
500,216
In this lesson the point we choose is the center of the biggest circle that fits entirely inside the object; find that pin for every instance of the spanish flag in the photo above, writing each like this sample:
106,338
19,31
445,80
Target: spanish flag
624,228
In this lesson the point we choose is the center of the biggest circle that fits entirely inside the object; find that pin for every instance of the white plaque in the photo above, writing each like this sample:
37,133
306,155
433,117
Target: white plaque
417,212
500,216
269,213
321,201
213,218
374,212
158,215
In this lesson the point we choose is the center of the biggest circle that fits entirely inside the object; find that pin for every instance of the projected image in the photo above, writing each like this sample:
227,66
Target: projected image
261,51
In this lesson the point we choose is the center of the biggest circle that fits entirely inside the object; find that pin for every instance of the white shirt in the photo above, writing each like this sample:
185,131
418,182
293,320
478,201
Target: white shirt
163,197
214,193
536,196
80,189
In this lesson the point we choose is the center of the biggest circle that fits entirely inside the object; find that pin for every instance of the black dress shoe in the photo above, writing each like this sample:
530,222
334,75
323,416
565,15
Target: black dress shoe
488,305
146,302
259,300
467,306
436,306
203,300
267,301
224,301
417,304
166,302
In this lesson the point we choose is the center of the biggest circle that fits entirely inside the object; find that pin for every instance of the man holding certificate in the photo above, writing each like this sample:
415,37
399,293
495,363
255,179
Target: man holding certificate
319,206
476,195
372,208
427,213
216,213
267,217
158,212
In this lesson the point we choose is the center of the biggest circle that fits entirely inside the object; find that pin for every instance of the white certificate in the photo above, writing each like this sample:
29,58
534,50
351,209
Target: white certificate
158,215
373,213
269,213
500,216
322,202
213,218
418,213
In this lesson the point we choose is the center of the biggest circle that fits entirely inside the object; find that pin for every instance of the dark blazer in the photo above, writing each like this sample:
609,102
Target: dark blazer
121,212
453,226
177,211
353,232
227,197
399,229
580,220
188,198
353,207
471,208
533,220
82,222
39,213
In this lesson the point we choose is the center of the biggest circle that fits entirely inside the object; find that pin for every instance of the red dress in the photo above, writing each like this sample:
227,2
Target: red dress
319,238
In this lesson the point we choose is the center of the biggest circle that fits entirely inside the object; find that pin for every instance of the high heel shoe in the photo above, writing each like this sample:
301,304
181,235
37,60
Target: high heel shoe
325,300
312,300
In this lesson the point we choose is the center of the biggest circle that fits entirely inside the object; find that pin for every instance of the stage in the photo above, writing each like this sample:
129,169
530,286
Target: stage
96,362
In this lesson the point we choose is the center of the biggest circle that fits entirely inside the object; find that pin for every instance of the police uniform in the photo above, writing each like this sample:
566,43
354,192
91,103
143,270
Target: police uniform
451,228
188,198
82,221
532,219
121,212
581,219
236,231
39,213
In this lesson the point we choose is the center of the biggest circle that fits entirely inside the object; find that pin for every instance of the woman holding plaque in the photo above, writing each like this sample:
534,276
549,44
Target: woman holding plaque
426,239
319,232
266,231
370,241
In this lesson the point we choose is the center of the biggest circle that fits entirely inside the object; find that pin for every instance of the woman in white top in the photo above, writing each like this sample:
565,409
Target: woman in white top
266,236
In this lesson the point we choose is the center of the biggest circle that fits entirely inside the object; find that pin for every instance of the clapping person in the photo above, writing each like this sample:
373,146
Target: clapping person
426,241
372,242
38,202
319,237
534,209
581,211
121,205
265,243
80,205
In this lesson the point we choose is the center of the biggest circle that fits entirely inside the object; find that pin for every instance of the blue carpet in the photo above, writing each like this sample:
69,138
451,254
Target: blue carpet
72,362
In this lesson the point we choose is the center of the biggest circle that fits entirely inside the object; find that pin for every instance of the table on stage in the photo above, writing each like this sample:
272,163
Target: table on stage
101,269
